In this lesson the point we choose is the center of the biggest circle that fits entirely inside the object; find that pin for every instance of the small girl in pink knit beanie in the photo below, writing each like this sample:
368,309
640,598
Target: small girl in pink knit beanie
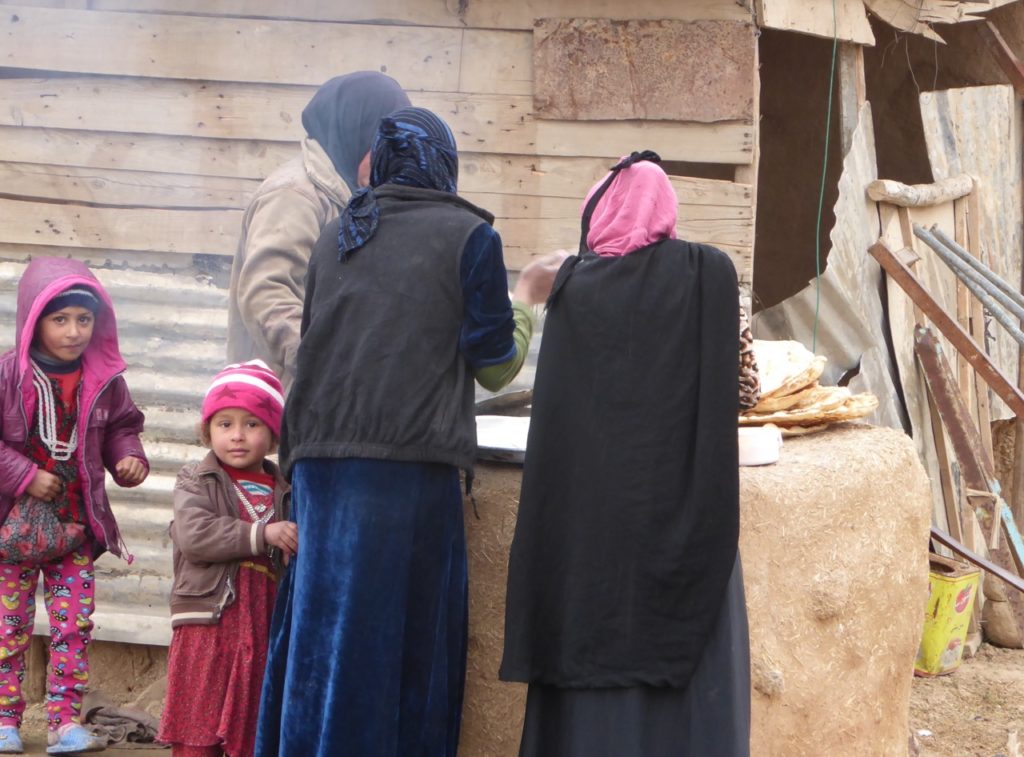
231,539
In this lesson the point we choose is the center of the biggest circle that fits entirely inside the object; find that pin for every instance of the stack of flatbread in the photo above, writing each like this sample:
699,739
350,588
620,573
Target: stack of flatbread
792,398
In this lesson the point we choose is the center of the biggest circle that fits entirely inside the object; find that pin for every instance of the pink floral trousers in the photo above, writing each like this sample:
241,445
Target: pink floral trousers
69,592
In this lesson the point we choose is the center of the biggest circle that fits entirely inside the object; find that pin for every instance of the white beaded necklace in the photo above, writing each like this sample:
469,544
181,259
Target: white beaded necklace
259,513
48,418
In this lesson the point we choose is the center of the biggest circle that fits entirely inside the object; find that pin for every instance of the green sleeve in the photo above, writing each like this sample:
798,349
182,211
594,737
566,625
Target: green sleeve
495,377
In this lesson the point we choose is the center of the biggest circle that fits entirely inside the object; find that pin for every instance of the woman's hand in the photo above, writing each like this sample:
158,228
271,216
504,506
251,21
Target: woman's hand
285,536
44,486
534,283
131,471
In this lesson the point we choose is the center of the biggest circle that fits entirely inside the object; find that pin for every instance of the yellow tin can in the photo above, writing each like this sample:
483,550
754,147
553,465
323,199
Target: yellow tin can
952,588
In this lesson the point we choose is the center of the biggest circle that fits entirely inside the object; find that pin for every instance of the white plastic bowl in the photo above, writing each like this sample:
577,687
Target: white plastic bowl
759,445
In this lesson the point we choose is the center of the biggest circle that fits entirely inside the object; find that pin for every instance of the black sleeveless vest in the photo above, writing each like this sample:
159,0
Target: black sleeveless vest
379,373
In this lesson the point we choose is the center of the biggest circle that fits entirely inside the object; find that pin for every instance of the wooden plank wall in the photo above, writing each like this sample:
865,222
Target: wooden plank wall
134,132
145,125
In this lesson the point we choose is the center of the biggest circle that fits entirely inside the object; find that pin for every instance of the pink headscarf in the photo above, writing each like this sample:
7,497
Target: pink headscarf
639,208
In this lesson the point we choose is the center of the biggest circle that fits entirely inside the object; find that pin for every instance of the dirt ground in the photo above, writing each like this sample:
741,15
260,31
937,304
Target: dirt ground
128,675
978,710
973,712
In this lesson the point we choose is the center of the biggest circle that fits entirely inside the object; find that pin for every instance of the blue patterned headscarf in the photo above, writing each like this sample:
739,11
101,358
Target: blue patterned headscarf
413,148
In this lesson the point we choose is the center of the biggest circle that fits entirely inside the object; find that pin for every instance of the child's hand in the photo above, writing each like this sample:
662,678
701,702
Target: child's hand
45,486
131,471
284,535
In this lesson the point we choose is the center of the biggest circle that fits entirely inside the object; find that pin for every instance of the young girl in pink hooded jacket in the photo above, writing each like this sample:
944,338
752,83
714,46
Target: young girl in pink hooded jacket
65,416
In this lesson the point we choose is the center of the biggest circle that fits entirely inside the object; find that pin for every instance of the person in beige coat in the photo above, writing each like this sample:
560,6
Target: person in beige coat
287,212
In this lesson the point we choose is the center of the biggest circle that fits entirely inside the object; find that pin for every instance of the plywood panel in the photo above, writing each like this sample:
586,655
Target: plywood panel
488,14
76,4
978,131
722,227
499,62
188,47
253,159
481,123
263,51
849,23
699,217
478,172
102,258
593,69
123,188
190,231
522,206
707,143
528,229
525,238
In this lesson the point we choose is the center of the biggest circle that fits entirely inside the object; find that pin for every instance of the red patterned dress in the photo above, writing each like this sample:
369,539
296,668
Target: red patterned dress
221,666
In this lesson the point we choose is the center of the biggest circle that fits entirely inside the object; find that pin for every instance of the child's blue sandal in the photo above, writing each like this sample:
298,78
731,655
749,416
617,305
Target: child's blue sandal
10,740
72,738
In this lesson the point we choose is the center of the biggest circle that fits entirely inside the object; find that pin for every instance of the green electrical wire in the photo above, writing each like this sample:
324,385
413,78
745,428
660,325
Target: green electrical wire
824,171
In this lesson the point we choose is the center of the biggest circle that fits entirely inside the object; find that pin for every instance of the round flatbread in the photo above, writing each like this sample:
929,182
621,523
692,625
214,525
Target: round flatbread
780,361
853,407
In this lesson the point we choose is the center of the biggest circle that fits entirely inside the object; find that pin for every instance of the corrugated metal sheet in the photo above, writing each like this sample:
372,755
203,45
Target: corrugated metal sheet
172,328
851,327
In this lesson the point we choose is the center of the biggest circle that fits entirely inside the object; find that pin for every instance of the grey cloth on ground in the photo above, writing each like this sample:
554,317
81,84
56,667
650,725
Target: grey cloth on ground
122,726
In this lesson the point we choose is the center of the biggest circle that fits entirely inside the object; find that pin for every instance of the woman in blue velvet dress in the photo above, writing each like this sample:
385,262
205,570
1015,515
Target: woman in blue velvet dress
406,305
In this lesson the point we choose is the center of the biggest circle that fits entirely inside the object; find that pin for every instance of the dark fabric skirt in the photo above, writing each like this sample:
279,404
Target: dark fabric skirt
368,642
710,718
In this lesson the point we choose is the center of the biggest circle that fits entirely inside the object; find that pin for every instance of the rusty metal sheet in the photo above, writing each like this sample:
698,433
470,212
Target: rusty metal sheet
597,69
977,469
963,434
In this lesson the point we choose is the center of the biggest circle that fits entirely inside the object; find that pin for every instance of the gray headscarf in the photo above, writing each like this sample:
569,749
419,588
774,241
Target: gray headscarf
343,117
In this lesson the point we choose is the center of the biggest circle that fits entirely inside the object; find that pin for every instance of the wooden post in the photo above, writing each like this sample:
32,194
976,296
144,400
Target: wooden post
852,90
978,321
748,174
1005,57
1016,493
1017,484
907,232
949,493
964,374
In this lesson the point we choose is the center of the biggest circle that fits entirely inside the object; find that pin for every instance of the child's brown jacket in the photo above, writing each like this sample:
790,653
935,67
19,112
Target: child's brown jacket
210,539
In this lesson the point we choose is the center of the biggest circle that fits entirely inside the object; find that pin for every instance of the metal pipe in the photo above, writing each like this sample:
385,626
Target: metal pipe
967,274
971,351
979,287
964,273
980,267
